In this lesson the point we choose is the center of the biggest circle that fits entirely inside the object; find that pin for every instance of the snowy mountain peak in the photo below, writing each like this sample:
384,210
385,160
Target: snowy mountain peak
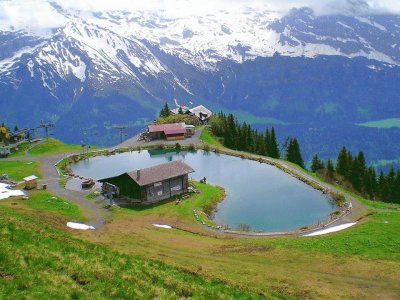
205,40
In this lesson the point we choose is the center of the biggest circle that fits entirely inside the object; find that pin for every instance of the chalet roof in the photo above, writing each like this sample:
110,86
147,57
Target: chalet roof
160,172
174,128
201,112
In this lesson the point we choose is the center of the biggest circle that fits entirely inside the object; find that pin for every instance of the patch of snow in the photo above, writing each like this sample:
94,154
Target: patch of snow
345,26
30,65
162,226
6,192
375,68
79,226
330,229
372,23
7,63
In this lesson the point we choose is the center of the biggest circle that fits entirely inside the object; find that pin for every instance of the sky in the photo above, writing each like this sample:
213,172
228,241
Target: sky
39,14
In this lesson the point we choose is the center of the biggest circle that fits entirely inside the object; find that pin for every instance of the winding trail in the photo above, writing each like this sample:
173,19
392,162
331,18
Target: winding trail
94,213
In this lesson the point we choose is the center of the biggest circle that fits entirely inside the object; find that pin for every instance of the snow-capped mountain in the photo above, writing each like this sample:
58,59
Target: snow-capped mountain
206,40
101,68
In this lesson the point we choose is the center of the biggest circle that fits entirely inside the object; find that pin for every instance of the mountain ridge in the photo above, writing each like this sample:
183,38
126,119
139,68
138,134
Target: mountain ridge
120,67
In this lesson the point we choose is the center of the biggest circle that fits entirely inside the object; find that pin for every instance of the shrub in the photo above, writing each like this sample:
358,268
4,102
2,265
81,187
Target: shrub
160,146
339,199
178,147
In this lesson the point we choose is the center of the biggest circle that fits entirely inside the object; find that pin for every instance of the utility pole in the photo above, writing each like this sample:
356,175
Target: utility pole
46,126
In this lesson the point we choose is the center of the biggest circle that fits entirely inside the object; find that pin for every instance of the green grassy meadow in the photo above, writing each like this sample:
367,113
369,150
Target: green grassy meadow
40,261
52,146
204,201
18,169
129,258
41,200
209,139
20,150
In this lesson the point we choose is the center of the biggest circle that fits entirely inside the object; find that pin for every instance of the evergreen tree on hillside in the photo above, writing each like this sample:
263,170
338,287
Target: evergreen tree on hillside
330,168
273,145
316,163
342,165
369,182
397,188
382,186
165,111
293,153
390,181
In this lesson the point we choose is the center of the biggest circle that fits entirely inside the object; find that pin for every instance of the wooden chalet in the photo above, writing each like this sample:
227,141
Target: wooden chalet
153,184
169,132
202,113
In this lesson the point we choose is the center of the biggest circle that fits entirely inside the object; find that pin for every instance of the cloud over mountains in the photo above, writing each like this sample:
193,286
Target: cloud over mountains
43,14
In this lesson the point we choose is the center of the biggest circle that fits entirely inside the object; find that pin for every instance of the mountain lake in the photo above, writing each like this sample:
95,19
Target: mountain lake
257,194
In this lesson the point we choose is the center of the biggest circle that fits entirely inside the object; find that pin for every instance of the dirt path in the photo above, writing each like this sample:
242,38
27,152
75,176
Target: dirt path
94,213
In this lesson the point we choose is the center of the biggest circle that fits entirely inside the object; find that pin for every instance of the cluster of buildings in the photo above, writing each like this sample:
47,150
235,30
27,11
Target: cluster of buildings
17,137
177,131
164,181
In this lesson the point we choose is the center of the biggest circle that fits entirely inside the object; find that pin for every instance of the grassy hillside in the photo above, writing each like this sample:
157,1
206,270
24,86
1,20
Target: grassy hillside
130,258
38,261
53,146
19,169
209,139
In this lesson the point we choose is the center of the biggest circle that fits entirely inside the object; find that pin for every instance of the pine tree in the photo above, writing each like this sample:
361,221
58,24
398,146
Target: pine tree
165,111
390,185
369,182
293,153
273,145
396,197
382,186
355,174
342,166
180,111
316,163
330,168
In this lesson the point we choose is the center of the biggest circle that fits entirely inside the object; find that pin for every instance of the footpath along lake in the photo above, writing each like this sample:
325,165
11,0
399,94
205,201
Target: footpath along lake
258,194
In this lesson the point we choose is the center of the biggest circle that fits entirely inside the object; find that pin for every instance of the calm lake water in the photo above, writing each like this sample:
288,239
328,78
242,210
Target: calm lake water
259,195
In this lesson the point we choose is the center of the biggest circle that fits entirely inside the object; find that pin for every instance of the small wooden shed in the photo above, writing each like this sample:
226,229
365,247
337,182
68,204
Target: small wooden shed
153,184
30,182
190,130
